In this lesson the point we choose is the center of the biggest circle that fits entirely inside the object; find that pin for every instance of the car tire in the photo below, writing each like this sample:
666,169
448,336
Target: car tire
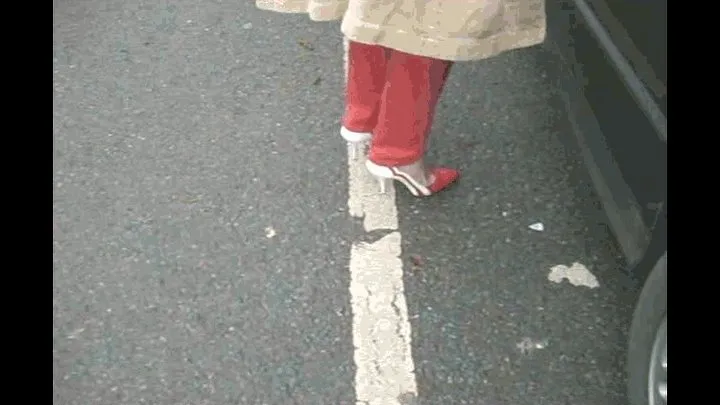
649,324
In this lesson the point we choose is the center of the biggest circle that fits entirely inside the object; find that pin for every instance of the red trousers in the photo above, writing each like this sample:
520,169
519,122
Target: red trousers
393,95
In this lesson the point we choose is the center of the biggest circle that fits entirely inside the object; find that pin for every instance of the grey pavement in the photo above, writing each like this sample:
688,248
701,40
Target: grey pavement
201,238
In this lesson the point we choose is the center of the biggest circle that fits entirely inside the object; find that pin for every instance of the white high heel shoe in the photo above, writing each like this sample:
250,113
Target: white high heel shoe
356,141
436,179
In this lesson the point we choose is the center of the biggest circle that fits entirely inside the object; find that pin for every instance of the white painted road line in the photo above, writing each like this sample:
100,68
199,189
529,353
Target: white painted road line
385,372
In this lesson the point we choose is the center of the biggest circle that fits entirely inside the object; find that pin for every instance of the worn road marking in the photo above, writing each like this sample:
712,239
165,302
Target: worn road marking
381,329
577,274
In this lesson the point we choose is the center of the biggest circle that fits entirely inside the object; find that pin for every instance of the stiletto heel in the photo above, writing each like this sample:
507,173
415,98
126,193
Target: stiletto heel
356,149
384,183
352,150
441,178
356,141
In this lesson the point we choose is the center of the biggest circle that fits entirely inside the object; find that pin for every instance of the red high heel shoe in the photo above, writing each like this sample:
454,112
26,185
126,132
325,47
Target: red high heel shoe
439,179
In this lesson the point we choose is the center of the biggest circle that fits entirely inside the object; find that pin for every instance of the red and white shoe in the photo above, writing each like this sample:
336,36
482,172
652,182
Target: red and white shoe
438,179
356,141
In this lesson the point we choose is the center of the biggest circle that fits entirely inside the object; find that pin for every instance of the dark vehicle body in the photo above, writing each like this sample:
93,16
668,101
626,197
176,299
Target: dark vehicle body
613,69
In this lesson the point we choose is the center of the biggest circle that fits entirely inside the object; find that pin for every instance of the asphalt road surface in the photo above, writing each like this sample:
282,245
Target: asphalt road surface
213,245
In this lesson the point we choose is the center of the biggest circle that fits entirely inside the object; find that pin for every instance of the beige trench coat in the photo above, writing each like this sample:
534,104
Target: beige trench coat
444,29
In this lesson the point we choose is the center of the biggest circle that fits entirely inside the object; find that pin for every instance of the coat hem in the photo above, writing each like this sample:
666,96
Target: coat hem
316,12
452,49
327,12
293,7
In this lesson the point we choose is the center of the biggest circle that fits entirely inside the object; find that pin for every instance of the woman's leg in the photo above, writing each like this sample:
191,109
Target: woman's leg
412,88
366,79
413,85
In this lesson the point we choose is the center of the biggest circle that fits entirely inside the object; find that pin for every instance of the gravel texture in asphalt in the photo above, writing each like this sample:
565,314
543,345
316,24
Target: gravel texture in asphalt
201,237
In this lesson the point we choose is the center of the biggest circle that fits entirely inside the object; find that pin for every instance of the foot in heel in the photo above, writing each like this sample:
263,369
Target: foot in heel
435,179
